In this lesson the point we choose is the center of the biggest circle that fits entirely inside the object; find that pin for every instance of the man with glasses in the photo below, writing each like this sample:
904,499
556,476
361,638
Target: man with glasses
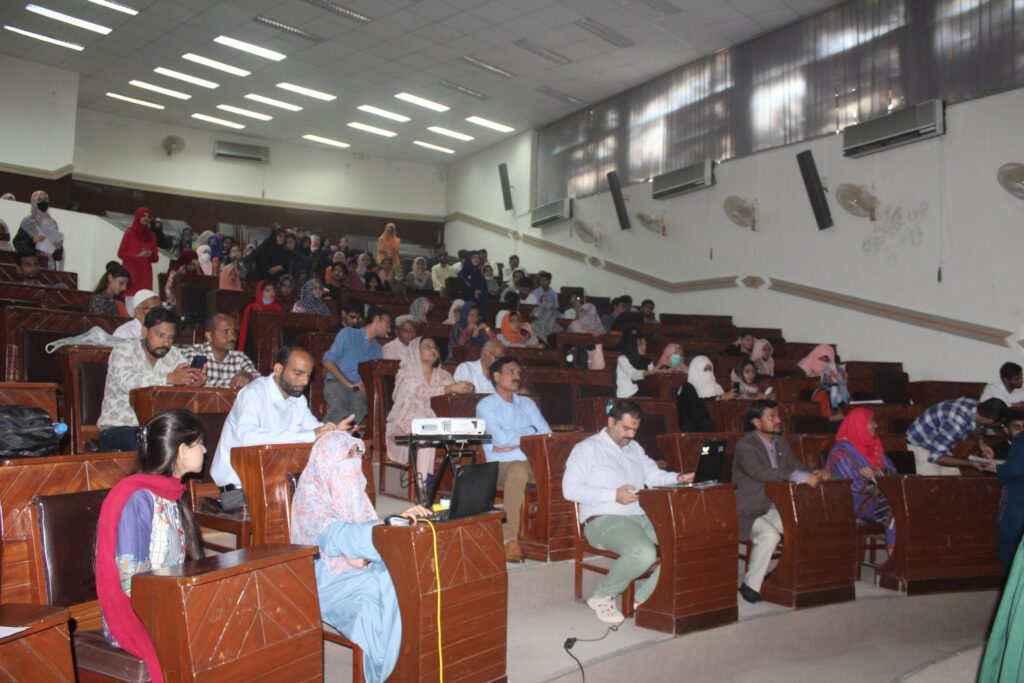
477,372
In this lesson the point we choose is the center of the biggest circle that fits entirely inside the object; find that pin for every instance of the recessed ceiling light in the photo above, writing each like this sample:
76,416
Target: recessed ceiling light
162,91
45,39
480,121
326,141
542,51
250,48
413,99
219,122
451,133
459,88
605,33
434,147
244,112
288,28
115,6
340,11
369,109
214,64
663,6
170,73
141,103
308,92
273,103
68,19
558,95
481,64
372,129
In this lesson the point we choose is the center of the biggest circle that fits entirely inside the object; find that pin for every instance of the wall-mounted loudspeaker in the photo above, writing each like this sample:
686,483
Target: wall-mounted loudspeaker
506,189
620,202
815,192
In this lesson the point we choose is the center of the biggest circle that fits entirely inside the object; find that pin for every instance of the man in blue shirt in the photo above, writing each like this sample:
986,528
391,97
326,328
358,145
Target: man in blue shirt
509,417
544,292
343,388
940,429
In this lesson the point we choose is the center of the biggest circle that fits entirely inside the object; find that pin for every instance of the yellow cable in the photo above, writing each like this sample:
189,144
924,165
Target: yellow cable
437,579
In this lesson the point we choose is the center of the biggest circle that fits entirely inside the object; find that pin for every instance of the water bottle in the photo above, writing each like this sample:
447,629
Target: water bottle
60,429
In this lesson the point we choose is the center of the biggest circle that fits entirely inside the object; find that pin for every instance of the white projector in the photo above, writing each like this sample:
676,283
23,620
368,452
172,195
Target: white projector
434,426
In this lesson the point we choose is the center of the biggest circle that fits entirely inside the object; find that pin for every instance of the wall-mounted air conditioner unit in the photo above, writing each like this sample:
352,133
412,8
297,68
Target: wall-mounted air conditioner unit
683,180
920,122
558,210
235,150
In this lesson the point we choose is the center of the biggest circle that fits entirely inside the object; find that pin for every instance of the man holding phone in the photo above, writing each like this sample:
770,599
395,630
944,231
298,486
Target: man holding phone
225,366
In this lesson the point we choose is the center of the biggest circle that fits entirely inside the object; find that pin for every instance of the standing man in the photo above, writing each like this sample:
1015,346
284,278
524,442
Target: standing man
940,429
477,372
510,417
343,388
440,273
225,367
604,474
763,456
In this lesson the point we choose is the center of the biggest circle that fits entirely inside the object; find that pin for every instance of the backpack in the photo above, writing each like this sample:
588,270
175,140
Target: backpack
26,432
576,357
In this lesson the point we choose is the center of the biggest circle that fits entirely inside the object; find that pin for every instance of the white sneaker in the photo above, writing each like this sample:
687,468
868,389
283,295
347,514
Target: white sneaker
606,610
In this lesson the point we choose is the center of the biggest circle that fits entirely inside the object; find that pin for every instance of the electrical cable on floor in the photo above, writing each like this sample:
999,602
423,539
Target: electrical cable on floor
570,642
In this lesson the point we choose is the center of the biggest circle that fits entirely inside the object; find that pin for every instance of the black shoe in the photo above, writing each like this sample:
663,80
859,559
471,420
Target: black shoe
749,594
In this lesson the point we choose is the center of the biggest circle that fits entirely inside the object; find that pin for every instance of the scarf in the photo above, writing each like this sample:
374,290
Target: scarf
764,367
123,623
855,432
43,219
257,305
137,228
229,278
388,245
312,304
454,311
812,365
187,256
419,309
544,324
703,380
588,321
205,259
510,336
666,357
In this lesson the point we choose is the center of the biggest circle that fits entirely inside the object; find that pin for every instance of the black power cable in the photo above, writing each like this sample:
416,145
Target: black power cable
570,642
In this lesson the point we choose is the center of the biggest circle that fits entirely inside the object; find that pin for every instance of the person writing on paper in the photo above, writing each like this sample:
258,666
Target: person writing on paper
939,430
138,251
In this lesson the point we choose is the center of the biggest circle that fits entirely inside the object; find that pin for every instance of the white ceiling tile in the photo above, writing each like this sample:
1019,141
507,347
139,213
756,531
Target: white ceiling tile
434,9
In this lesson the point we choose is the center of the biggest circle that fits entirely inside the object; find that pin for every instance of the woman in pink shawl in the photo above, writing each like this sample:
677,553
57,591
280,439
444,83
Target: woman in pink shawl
588,321
420,378
671,358
815,363
229,278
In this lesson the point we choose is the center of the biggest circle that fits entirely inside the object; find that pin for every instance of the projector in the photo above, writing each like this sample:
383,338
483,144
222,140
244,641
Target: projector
435,426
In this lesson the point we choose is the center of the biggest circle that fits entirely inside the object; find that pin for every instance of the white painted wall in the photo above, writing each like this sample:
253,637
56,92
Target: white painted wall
941,205
37,119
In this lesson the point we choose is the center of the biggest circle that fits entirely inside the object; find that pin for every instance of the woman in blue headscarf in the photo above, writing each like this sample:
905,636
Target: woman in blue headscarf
469,331
472,282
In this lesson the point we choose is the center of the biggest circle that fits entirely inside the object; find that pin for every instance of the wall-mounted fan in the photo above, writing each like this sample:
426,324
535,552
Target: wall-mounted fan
655,222
587,233
858,201
741,211
1011,179
172,144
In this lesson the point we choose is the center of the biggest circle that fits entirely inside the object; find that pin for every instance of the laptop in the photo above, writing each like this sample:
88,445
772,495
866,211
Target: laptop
473,490
709,464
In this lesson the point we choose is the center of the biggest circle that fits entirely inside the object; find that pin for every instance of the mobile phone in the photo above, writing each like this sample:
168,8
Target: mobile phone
735,386
198,362
769,391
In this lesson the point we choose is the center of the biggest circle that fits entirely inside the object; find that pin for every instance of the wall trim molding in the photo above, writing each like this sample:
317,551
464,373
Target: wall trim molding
55,174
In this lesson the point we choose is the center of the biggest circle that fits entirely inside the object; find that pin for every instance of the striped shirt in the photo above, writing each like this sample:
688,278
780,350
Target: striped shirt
944,426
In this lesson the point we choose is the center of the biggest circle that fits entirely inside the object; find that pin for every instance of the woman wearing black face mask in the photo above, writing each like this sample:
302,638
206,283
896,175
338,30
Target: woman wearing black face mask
39,228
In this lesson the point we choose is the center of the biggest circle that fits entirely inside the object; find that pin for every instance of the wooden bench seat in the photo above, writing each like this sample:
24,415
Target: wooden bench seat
27,331
46,297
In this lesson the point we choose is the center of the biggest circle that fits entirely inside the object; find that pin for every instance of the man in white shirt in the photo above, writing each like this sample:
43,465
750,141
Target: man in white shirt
604,474
269,410
144,301
1009,387
478,372
405,332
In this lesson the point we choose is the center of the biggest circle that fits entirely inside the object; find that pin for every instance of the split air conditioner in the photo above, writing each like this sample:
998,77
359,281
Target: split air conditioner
558,210
683,180
919,122
235,150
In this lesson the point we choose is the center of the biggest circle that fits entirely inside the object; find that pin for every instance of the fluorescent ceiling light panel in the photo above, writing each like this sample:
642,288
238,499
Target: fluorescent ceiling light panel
68,19
480,121
372,129
558,95
542,51
340,11
116,6
141,103
459,88
244,112
170,73
369,109
45,39
214,64
250,48
272,102
605,33
422,102
287,28
308,92
438,148
451,133
480,64
219,122
162,91
326,141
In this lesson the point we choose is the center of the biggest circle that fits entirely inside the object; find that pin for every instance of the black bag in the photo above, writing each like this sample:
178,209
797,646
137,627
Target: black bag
26,432
576,357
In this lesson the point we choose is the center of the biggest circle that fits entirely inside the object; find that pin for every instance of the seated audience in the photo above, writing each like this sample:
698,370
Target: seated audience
743,346
405,332
588,321
477,372
472,286
436,257
396,280
493,286
271,256
544,292
510,417
373,282
454,312
353,280
39,233
517,334
285,287
386,264
266,300
364,265
108,299
269,410
352,311
700,386
343,387
484,261
509,268
575,304
814,363
419,310
225,367
1010,521
138,251
544,325
858,455
151,360
647,310
186,241
632,366
514,284
185,263
604,476
419,278
5,237
27,270
941,428
229,278
146,523
334,280
510,302
302,260
389,244
671,358
1010,387
420,378
469,330
332,511
744,381
763,456
204,258
311,299
139,307
764,362
620,306
156,226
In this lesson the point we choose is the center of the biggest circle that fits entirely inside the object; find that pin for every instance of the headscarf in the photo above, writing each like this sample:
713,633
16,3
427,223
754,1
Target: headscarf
736,376
141,231
229,278
206,264
411,396
332,489
388,245
204,237
630,347
703,380
510,336
419,309
257,305
453,311
280,283
544,324
812,366
312,304
43,219
854,431
588,321
353,280
270,254
5,237
330,280
764,367
666,358
420,276
362,264
187,256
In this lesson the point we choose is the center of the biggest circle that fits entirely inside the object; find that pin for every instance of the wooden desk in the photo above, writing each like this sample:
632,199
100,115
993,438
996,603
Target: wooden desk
697,536
819,545
42,653
659,417
9,273
927,394
32,394
26,331
664,385
474,598
945,534
271,330
46,297
681,450
547,535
